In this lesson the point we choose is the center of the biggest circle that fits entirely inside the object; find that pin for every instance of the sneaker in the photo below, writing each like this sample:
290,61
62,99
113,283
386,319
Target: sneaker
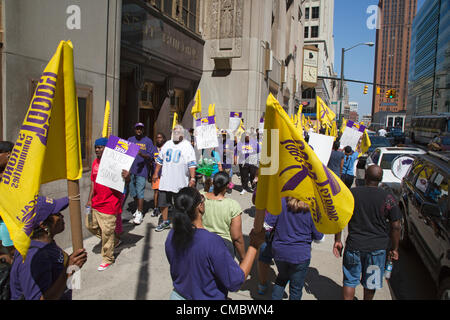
104,266
155,212
138,218
164,225
134,214
262,289
243,192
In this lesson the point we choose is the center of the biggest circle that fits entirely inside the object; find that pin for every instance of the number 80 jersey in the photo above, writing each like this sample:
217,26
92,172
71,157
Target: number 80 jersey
176,159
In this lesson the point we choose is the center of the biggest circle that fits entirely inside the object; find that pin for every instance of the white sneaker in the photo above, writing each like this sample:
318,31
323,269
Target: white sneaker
138,218
134,214
243,192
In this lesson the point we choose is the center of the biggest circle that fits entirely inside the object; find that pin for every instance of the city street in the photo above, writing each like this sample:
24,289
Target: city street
141,270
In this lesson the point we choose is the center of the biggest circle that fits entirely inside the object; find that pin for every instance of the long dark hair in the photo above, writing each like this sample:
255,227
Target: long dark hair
186,202
221,181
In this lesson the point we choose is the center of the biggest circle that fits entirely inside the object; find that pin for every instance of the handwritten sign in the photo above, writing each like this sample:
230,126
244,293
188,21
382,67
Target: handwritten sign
322,146
206,133
235,121
119,154
401,165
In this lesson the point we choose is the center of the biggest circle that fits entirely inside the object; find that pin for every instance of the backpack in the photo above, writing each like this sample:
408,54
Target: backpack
5,290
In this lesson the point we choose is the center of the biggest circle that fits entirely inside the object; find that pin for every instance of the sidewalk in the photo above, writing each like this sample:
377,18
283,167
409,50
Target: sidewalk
141,270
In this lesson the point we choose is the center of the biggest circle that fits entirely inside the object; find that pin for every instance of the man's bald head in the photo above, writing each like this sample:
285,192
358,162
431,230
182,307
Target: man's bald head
374,175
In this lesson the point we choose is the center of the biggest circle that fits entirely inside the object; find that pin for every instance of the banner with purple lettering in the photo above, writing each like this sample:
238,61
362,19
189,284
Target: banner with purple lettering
119,154
294,170
47,149
206,133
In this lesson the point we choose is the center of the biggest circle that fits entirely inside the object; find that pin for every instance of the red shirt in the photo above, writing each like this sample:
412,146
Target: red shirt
104,199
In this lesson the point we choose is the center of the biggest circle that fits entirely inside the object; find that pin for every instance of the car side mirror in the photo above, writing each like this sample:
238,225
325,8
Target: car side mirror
430,210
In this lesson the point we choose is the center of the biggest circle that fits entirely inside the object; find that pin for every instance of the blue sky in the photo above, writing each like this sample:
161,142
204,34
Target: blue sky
350,28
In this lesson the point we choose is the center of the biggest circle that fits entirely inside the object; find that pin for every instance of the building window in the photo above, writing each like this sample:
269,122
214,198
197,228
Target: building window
306,13
306,32
167,7
315,13
314,31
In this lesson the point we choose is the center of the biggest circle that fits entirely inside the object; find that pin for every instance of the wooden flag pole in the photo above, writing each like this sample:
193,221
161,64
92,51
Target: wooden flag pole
73,189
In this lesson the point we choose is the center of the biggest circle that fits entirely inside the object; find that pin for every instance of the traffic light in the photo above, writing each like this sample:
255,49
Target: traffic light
365,89
378,90
389,94
393,93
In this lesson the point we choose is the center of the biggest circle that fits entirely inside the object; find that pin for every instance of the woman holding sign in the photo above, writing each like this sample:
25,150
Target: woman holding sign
106,204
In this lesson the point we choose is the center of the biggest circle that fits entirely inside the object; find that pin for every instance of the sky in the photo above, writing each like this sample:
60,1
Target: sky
350,28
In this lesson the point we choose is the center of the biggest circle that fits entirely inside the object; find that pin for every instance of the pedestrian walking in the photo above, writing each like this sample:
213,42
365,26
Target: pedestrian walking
177,162
336,162
106,205
44,273
382,132
373,229
291,247
159,142
223,216
348,170
140,170
201,266
247,158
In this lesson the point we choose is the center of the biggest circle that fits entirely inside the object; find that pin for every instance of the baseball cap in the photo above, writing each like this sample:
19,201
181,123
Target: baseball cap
139,124
47,206
101,142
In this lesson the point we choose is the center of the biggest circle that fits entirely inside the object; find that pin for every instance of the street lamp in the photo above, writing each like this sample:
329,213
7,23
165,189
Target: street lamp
341,96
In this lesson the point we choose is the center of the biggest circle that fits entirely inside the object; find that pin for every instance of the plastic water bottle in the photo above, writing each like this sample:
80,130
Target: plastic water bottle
87,211
388,269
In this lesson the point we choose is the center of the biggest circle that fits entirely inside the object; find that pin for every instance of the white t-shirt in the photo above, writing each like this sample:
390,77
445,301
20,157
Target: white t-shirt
176,159
382,132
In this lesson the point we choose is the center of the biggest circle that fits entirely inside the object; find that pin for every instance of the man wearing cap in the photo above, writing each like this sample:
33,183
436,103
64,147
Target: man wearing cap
140,168
106,204
44,273
177,162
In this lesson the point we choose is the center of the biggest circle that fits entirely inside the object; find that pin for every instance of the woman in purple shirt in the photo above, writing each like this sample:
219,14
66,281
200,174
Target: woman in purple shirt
291,247
201,266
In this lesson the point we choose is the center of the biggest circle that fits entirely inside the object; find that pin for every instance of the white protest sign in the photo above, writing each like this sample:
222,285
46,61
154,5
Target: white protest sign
119,154
351,135
322,146
401,165
206,133
235,121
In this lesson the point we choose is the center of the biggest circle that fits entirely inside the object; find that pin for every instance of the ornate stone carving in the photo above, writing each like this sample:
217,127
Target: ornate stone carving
225,25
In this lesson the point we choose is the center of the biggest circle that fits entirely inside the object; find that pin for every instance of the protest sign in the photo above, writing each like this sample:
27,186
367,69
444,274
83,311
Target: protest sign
322,146
401,165
261,125
206,133
119,154
235,121
352,133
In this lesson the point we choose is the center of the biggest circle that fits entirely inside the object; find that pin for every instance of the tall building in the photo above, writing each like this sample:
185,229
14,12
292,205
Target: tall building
392,55
252,48
318,32
429,67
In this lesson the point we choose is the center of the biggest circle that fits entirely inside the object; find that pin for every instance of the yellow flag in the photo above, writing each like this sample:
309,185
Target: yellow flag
197,108
343,125
294,170
333,131
212,110
47,149
107,129
365,142
324,114
240,130
175,120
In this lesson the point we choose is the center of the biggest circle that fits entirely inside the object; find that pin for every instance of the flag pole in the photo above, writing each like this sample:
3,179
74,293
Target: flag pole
73,189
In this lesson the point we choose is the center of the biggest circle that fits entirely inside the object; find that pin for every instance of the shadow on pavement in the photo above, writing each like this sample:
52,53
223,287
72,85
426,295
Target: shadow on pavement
321,287
144,271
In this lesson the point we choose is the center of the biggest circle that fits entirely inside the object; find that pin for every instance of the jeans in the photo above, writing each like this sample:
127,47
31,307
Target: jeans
348,180
362,267
248,174
296,274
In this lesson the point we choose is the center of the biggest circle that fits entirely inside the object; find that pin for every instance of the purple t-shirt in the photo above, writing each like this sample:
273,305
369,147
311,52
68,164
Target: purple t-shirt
140,165
294,233
247,152
205,270
43,265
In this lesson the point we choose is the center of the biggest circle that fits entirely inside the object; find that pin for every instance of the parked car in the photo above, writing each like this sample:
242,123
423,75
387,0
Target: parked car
396,136
440,143
426,218
384,157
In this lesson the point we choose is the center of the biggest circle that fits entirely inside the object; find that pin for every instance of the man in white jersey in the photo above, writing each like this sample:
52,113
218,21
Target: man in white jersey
178,163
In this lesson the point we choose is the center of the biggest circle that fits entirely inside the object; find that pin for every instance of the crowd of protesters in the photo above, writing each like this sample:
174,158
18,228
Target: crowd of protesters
206,239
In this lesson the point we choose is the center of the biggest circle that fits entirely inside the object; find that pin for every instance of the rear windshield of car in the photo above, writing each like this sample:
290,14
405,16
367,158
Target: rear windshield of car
387,158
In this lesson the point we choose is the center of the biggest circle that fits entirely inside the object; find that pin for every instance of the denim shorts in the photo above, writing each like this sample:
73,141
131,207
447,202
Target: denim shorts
265,251
366,268
137,186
